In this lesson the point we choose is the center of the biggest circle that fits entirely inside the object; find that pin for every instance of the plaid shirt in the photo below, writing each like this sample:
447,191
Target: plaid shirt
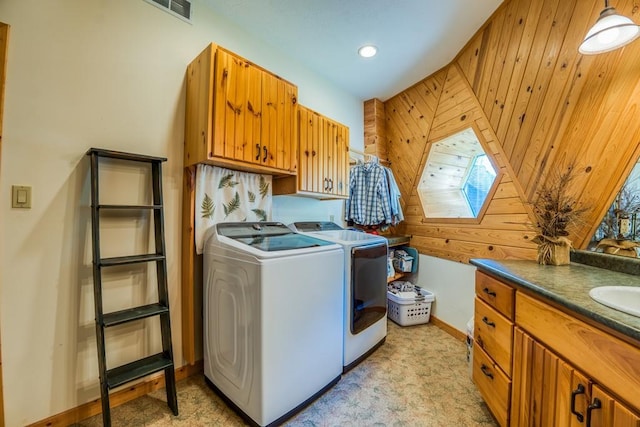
368,202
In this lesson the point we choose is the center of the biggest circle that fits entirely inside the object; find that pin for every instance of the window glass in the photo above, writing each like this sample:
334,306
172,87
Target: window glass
457,177
478,183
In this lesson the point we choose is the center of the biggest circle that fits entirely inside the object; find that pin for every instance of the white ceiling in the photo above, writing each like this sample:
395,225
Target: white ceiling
415,38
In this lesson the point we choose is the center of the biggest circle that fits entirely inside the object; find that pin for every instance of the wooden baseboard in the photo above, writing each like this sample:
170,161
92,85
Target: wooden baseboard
461,336
117,398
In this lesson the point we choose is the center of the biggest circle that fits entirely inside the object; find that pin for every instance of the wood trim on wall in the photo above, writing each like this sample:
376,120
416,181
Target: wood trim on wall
188,265
117,398
455,333
4,47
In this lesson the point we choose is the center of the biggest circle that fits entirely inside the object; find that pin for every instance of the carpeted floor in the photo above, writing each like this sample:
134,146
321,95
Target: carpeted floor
419,377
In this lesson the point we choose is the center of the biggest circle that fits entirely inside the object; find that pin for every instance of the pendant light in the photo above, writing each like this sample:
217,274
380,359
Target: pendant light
610,32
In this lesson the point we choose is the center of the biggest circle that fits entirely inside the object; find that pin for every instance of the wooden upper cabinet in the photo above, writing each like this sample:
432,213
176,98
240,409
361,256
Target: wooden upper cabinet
323,159
279,137
239,115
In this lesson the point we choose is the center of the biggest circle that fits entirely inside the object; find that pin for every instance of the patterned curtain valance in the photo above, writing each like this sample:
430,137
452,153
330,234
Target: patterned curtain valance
224,195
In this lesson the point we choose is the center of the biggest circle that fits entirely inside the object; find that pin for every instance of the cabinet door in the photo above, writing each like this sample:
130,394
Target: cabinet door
546,390
237,110
605,411
323,155
310,175
336,158
329,156
279,123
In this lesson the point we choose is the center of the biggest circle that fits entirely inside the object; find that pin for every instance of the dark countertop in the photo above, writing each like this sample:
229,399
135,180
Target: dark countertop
397,240
569,286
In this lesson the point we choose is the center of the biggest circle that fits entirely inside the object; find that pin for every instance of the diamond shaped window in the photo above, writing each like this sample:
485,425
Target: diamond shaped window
458,177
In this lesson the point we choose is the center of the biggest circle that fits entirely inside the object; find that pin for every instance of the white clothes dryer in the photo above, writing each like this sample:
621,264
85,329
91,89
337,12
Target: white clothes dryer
272,318
365,289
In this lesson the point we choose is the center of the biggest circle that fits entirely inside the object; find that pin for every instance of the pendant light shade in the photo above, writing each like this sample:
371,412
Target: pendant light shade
610,32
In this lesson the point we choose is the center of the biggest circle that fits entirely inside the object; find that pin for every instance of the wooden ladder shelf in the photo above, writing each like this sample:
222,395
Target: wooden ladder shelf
114,377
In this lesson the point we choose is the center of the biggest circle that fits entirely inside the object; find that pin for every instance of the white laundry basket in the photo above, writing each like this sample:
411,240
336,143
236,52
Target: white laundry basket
403,308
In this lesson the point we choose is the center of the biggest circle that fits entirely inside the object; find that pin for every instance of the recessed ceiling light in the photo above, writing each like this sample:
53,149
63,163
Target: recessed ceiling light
367,51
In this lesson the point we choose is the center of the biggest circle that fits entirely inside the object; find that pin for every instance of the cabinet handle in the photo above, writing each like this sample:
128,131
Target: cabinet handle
330,184
597,404
488,322
574,394
326,184
258,153
264,159
485,370
488,292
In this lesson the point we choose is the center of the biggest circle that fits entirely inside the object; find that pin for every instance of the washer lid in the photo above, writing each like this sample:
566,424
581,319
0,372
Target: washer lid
268,236
316,226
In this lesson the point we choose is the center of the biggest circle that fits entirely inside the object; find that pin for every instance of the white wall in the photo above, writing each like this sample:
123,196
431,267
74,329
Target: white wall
108,74
453,284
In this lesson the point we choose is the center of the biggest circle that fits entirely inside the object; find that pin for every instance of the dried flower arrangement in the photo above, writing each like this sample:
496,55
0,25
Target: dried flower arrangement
618,231
556,212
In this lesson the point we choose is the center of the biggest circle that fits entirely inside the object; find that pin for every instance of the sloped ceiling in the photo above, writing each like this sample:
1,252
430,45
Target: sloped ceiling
414,37
543,107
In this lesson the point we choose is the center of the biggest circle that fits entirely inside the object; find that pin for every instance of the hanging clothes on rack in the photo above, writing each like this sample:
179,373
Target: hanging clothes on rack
394,198
369,202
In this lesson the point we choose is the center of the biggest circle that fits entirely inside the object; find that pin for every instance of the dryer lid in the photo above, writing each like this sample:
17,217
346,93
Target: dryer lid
268,236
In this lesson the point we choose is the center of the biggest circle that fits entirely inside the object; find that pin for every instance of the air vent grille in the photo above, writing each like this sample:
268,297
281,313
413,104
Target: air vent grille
178,8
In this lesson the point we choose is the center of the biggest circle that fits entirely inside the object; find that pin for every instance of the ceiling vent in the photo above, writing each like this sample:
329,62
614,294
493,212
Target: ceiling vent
178,8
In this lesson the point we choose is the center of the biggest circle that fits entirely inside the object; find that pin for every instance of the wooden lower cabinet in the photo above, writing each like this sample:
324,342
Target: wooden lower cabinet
605,411
560,370
546,390
494,385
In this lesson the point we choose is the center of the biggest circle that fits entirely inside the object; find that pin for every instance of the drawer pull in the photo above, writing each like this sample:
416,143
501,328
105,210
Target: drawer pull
485,370
488,322
488,292
258,155
597,404
574,394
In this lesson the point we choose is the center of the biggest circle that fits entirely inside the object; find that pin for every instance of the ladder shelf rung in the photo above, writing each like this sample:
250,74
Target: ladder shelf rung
134,313
138,369
132,259
129,207
125,156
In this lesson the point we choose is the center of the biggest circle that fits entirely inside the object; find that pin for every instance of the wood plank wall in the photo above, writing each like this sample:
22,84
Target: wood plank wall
541,105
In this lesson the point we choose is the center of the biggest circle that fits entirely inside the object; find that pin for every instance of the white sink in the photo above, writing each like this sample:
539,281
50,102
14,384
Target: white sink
623,298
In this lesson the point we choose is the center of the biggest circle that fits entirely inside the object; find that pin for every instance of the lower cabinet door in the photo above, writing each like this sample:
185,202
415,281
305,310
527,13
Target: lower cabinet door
605,411
494,385
546,390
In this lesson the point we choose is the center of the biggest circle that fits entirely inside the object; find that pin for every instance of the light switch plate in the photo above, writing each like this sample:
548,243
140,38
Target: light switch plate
20,197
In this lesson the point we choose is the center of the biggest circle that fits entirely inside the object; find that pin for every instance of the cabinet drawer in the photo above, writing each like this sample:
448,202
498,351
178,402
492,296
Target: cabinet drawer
608,360
494,386
494,334
495,293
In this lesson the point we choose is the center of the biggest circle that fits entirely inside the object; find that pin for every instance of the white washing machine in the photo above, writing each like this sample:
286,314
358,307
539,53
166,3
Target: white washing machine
365,289
272,318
